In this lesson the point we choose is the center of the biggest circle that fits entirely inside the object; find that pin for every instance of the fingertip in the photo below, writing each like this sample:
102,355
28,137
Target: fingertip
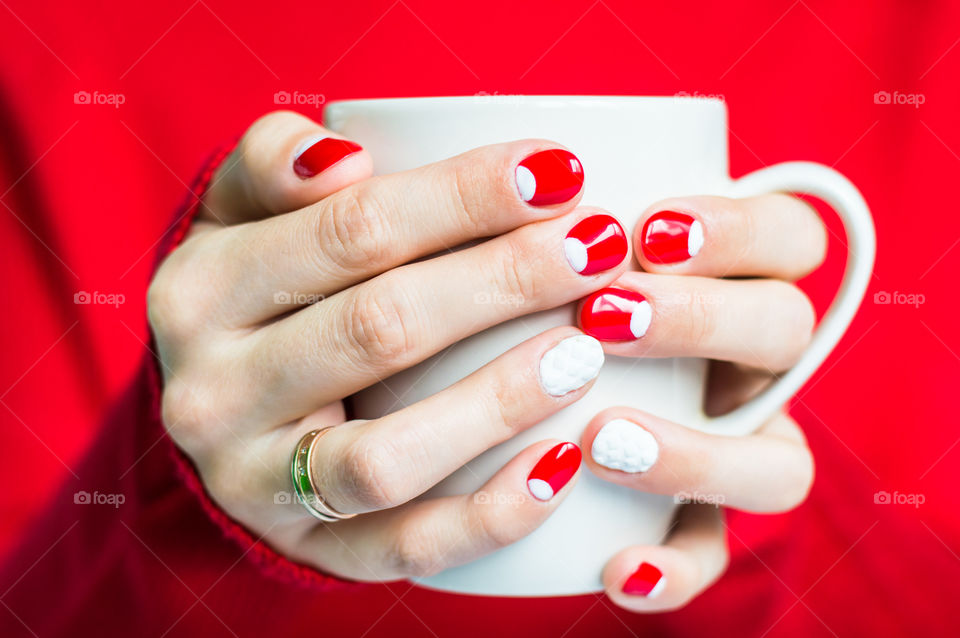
525,491
646,579
554,473
337,161
596,244
669,236
624,446
621,448
542,474
546,176
570,364
283,162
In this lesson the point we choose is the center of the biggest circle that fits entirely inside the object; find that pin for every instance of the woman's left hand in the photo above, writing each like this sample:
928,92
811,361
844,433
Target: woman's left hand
753,327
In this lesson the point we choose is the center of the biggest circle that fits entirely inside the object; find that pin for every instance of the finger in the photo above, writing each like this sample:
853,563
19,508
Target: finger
654,578
283,162
368,332
764,323
427,537
363,466
385,462
774,235
769,471
390,220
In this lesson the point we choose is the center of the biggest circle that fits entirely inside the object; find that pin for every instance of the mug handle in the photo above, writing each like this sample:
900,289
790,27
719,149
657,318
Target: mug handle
836,190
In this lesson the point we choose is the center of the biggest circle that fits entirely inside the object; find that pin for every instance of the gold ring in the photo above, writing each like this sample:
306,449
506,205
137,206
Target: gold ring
303,484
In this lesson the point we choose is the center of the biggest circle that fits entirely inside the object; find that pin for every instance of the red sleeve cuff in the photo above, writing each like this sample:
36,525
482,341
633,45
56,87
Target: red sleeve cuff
269,560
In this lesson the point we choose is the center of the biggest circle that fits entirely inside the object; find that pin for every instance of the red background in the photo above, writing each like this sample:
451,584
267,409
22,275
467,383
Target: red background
89,190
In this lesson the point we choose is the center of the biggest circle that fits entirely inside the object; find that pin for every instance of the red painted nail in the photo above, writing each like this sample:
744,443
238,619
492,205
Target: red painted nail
646,581
323,154
549,177
669,237
595,244
554,470
612,314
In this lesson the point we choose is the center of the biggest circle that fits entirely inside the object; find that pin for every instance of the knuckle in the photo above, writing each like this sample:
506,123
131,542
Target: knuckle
162,302
355,222
498,526
464,186
234,479
518,273
371,472
503,406
382,324
701,321
187,414
703,469
176,304
416,551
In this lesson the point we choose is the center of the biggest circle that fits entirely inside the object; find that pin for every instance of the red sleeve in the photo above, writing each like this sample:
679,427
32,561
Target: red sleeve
254,547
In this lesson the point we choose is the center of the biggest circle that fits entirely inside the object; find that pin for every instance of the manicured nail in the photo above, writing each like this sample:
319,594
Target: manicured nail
549,177
570,364
623,445
595,244
647,581
612,314
554,470
317,156
669,237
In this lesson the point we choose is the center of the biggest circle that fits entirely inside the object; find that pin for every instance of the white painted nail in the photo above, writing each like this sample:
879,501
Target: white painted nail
576,253
570,364
623,445
658,588
640,318
695,238
526,183
307,143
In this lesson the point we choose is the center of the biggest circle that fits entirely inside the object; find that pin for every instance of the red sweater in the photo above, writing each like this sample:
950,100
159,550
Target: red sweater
109,114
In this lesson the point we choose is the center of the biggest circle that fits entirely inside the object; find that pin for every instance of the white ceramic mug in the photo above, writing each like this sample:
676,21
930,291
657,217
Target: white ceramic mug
635,151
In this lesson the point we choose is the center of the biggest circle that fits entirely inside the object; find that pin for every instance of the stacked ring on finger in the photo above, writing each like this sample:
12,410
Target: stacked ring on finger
303,484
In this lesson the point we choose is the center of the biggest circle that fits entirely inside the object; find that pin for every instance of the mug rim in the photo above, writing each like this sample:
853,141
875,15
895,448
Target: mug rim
511,101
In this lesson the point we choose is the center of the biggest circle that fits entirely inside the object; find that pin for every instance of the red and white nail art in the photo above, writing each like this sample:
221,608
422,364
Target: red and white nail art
595,244
549,177
647,581
613,314
554,470
669,237
317,155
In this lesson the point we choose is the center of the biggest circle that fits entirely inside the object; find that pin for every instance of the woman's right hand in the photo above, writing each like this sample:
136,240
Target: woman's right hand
295,289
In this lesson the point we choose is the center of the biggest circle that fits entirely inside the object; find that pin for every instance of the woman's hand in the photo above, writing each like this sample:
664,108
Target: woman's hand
295,289
753,328
298,287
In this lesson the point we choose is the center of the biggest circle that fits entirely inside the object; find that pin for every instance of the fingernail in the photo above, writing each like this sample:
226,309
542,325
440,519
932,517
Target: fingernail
595,244
317,156
623,445
647,581
612,314
549,177
554,470
669,237
570,364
